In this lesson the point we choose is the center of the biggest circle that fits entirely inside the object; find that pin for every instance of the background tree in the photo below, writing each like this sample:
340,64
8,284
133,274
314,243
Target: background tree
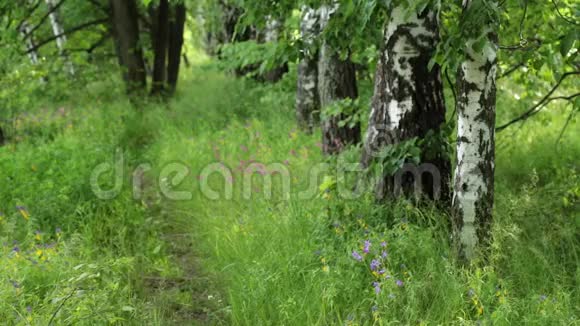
160,40
336,82
59,33
307,99
177,20
126,26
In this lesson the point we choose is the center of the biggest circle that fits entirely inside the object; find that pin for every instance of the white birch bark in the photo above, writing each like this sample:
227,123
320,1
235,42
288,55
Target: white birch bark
58,31
272,30
25,31
474,175
307,102
408,97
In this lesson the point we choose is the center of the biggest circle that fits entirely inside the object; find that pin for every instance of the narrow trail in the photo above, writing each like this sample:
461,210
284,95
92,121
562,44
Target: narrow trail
181,298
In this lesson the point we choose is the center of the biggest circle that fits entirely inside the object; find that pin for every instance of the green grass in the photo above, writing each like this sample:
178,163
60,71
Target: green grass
267,261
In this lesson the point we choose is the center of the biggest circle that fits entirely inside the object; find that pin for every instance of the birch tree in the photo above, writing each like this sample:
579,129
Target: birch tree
59,34
408,96
474,175
307,101
27,36
336,82
272,35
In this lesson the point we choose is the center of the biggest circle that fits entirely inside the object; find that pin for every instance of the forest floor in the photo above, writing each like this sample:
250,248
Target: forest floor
183,252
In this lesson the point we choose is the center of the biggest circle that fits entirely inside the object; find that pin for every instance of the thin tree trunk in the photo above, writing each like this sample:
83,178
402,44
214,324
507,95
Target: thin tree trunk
176,27
25,31
408,100
58,30
307,100
271,35
474,175
125,19
160,41
336,81
28,37
2,139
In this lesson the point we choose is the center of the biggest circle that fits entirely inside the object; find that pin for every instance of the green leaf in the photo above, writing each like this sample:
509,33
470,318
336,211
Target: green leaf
567,42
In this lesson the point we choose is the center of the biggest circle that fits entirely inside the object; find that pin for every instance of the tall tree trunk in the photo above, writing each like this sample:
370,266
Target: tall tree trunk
160,40
336,81
474,174
176,27
58,32
408,99
307,100
272,35
125,20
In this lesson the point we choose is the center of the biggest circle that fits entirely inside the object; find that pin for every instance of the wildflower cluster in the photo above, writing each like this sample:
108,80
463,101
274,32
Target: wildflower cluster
375,255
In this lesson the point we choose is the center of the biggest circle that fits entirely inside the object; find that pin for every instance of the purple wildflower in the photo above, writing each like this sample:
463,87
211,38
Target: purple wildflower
29,309
375,264
384,254
543,297
399,283
15,284
356,256
367,247
382,271
383,244
377,287
374,308
16,249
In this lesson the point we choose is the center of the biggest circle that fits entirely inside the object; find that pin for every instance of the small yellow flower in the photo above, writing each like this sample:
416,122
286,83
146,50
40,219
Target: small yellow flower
325,269
23,212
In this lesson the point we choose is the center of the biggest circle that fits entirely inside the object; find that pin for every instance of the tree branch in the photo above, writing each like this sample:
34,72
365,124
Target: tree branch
43,19
70,31
543,102
572,112
28,15
94,46
569,20
452,86
511,70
